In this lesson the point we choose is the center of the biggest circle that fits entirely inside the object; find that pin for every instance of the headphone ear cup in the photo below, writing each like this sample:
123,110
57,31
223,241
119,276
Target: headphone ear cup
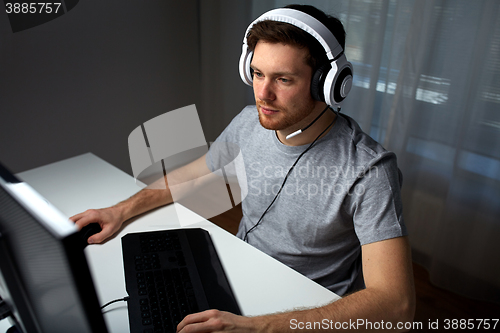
342,85
338,82
244,65
318,81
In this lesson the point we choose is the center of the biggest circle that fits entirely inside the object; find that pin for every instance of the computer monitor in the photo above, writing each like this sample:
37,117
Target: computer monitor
44,275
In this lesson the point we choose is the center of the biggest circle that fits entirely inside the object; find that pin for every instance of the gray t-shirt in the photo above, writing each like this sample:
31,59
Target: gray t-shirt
343,193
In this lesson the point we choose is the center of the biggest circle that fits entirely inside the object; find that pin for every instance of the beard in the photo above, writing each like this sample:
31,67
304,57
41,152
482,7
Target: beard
285,118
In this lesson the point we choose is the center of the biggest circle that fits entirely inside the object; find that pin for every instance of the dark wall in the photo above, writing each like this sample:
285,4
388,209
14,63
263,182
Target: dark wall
82,82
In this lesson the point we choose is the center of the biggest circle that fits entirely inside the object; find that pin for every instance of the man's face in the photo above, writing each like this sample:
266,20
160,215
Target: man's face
281,85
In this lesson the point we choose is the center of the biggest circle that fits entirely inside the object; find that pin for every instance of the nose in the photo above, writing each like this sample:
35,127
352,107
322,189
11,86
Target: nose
264,90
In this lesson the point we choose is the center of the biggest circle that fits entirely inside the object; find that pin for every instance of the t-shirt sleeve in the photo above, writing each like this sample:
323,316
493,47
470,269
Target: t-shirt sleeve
375,204
227,145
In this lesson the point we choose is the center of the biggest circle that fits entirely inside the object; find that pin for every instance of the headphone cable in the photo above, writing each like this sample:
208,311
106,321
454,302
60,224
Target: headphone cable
289,172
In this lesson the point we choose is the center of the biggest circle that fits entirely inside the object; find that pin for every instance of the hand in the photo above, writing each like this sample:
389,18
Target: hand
215,321
109,219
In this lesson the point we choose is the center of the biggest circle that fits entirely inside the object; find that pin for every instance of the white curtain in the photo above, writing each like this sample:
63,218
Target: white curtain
427,86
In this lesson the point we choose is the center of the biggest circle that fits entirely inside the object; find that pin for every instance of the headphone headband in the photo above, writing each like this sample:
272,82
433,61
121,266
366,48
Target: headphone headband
304,22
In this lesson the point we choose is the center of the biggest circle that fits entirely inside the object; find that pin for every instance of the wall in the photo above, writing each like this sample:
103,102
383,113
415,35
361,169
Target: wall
82,82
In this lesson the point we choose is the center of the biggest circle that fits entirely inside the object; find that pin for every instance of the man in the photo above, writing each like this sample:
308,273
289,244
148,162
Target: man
326,202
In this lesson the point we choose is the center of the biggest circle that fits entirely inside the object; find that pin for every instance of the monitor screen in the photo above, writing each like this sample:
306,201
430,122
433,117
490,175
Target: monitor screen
44,276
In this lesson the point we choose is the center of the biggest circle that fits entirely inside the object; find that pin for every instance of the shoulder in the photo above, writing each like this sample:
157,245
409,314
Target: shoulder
361,149
364,144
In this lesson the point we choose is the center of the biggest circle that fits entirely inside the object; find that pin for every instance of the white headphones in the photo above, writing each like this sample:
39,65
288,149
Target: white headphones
332,82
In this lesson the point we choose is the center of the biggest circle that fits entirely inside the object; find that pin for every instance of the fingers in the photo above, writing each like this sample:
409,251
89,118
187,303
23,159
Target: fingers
101,236
208,321
189,319
200,322
76,217
83,219
104,217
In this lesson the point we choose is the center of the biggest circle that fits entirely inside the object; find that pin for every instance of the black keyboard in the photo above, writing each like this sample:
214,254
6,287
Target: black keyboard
170,274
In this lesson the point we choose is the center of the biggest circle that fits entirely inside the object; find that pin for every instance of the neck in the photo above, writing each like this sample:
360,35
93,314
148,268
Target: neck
319,118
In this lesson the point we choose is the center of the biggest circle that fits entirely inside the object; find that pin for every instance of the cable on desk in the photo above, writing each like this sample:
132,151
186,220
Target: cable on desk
124,299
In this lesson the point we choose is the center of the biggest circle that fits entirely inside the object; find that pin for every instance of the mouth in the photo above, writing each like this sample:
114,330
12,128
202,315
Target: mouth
267,111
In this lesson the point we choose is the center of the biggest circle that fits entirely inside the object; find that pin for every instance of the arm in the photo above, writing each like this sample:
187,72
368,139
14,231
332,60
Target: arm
157,194
389,297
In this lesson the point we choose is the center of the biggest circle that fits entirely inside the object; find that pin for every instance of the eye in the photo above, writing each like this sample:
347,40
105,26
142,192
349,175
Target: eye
284,80
257,74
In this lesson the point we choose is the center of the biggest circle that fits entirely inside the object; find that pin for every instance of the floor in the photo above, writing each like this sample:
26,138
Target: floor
434,305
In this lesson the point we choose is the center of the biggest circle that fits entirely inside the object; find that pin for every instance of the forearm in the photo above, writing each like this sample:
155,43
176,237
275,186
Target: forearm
389,296
143,201
159,193
352,312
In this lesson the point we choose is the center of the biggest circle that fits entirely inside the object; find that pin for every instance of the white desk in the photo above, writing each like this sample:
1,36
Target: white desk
261,284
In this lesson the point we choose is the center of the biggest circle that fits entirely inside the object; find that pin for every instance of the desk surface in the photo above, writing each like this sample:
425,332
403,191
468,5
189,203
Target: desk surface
261,284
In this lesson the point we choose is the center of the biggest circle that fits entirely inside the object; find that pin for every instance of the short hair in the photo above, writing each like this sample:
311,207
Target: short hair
285,33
